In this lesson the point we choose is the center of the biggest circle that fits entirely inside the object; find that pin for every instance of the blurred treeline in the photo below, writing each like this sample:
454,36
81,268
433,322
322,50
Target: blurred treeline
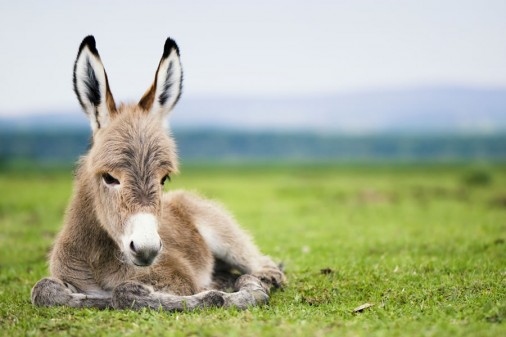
63,147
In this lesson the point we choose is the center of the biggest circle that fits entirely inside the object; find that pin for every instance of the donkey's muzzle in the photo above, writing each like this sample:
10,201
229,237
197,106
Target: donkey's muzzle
144,256
141,241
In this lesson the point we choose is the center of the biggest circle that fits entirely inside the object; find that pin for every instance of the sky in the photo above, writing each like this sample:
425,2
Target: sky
255,48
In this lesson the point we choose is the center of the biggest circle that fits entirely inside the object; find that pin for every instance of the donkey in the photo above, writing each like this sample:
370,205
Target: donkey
126,243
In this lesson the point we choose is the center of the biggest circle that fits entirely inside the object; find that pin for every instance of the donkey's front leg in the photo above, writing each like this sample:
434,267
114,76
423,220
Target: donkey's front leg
135,295
51,291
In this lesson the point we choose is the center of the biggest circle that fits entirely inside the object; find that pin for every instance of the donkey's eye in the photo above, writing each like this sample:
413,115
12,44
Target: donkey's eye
164,179
109,179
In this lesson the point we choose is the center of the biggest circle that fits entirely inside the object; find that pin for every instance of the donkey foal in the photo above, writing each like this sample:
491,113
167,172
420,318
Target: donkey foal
127,244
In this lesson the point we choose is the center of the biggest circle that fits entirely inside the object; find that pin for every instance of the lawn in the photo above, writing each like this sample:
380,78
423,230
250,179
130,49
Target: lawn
424,244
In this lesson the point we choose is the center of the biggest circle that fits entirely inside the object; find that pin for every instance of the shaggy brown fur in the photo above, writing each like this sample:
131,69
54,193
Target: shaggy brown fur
118,191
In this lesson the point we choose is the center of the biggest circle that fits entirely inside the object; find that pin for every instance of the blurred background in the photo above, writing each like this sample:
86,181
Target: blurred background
325,81
361,142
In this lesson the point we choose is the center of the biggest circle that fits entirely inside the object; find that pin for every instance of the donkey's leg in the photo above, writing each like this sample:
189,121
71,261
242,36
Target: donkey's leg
234,247
250,291
135,295
51,291
226,240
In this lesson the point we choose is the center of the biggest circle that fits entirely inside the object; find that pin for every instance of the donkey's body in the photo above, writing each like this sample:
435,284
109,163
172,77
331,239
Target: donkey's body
126,243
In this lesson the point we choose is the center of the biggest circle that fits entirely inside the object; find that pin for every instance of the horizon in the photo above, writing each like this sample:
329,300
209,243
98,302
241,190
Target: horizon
422,109
444,87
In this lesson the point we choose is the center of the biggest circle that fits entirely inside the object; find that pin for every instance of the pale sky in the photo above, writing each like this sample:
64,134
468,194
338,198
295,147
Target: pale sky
255,48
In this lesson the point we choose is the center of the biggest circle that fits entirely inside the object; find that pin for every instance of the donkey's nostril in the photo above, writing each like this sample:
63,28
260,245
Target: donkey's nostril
145,257
132,247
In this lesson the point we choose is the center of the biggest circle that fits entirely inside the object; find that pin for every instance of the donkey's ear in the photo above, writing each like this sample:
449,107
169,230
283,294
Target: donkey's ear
91,85
165,91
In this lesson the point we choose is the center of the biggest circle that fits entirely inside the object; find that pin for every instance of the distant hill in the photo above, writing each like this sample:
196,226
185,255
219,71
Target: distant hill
428,124
419,110
431,109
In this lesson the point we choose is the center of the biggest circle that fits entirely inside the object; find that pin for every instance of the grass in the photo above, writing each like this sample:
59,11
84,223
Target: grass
424,244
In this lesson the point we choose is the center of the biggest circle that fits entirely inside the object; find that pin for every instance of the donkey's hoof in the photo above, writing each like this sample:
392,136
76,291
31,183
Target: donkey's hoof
271,276
213,298
251,282
127,294
50,292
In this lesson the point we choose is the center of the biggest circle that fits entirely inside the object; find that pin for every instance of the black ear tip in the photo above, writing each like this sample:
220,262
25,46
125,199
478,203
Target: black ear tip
169,46
89,41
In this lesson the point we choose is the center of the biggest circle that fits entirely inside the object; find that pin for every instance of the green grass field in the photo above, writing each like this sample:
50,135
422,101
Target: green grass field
424,244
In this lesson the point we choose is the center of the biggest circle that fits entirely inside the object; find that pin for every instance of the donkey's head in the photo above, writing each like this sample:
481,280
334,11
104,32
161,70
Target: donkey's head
132,155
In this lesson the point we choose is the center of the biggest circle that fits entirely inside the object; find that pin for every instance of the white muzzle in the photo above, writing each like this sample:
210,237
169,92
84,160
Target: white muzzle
141,241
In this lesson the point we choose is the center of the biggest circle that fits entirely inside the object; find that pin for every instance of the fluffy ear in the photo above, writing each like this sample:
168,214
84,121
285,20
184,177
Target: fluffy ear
165,91
91,85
